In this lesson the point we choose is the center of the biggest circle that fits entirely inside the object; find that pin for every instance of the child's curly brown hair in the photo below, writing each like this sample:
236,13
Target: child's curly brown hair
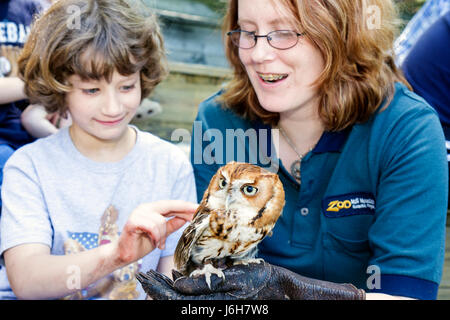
92,39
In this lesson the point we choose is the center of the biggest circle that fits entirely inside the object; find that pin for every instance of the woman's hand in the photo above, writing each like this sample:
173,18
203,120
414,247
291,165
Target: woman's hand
254,281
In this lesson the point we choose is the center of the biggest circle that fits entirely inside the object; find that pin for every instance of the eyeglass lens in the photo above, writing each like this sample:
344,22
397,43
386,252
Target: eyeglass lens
280,39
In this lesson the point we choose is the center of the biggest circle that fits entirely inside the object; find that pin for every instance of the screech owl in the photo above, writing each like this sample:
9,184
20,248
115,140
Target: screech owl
239,208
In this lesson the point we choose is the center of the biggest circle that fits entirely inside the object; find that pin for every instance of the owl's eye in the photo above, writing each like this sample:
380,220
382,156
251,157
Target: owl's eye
222,183
250,190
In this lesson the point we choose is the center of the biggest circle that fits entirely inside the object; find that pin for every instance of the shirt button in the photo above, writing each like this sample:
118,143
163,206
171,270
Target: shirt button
304,211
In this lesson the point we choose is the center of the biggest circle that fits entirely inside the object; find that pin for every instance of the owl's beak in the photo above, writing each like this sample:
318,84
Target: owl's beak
228,201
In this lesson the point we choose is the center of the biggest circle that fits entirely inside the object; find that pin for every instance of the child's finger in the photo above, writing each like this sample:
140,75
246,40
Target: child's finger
186,217
174,224
162,244
174,206
155,230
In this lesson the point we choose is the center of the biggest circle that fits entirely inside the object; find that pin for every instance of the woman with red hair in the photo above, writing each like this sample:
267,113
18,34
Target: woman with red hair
362,158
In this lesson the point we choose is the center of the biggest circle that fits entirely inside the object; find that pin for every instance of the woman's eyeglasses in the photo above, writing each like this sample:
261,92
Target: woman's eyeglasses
279,39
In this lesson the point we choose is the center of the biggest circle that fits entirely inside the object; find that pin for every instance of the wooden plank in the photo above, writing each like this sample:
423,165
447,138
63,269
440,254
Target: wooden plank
179,96
444,288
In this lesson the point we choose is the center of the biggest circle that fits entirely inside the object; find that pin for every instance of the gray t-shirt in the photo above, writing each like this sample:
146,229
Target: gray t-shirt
54,195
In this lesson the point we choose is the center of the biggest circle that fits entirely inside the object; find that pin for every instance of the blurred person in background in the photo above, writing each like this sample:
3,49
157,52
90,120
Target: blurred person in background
18,128
427,69
430,11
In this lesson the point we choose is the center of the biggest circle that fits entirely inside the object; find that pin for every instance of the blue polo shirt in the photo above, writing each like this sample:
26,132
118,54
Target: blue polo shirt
371,207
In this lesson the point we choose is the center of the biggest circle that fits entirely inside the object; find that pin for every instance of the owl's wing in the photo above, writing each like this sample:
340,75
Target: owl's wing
190,235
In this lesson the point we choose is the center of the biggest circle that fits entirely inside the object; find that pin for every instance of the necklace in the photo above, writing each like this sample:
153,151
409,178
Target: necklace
296,165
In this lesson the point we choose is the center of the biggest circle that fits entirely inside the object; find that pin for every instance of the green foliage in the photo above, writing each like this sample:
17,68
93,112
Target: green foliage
408,8
218,6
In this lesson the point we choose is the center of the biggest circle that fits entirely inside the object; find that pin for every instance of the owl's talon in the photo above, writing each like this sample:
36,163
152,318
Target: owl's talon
207,271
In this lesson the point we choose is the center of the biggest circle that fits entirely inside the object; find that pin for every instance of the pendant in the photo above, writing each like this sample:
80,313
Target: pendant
295,169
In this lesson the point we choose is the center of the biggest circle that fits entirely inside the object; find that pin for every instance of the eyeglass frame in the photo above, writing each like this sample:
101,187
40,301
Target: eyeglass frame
256,36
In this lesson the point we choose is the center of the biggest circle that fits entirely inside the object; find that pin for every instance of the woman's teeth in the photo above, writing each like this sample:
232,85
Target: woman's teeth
272,77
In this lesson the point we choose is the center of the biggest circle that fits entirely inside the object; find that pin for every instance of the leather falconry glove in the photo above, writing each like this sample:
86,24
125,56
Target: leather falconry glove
255,281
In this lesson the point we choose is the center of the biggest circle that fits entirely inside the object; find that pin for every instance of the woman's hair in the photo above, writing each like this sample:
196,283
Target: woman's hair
91,39
355,38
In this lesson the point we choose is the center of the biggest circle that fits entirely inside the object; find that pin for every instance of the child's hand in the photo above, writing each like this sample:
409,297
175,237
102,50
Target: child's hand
148,228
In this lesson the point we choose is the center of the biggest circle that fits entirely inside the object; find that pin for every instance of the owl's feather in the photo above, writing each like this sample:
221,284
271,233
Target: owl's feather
191,234
239,208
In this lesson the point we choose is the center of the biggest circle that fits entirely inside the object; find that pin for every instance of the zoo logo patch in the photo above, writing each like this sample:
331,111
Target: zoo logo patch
348,205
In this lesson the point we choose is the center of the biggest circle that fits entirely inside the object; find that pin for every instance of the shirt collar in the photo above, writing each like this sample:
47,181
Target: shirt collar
328,142
332,141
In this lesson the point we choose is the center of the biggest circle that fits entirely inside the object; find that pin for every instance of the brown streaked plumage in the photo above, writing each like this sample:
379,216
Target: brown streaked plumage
239,208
